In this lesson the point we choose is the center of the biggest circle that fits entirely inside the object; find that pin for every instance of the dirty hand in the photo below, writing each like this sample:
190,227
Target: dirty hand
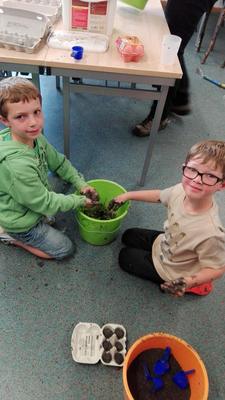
90,193
114,205
176,287
89,203
121,198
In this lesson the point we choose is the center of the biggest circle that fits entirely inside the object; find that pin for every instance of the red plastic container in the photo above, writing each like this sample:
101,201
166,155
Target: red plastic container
130,48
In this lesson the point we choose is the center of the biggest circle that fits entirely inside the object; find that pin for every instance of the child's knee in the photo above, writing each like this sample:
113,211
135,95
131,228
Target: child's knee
127,235
67,250
123,258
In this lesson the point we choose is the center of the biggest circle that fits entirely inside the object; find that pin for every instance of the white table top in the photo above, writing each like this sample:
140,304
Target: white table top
149,25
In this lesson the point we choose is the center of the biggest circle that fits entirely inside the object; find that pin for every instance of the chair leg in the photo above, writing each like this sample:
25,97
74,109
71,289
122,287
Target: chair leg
201,31
57,79
5,74
214,36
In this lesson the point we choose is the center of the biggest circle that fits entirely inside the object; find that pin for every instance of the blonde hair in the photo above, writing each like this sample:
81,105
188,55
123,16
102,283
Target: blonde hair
209,150
14,90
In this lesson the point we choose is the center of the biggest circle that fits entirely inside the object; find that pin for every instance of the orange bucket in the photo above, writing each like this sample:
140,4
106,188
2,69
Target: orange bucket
185,355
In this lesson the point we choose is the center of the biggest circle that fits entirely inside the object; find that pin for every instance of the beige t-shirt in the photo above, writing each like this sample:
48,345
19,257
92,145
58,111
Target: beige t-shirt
190,242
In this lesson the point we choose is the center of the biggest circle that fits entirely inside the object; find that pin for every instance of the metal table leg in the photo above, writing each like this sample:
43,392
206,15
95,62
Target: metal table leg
154,130
66,115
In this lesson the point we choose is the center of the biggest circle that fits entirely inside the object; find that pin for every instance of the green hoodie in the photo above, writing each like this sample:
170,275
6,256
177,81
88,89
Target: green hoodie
25,194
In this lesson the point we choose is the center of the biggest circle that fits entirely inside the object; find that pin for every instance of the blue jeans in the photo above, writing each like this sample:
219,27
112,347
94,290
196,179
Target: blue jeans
48,239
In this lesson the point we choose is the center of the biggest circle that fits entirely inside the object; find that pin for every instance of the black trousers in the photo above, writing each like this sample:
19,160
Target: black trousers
182,17
136,257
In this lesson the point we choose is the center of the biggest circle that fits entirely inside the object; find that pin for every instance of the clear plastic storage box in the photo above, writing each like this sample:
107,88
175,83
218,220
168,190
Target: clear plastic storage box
50,8
22,30
89,15
92,42
91,344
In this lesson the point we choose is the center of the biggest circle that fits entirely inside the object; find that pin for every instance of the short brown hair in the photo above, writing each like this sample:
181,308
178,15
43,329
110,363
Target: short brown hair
209,150
14,90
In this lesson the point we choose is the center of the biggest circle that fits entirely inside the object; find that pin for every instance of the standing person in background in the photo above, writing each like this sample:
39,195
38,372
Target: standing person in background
182,17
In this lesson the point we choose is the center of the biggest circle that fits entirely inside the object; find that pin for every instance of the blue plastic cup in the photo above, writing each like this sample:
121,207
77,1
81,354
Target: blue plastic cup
77,52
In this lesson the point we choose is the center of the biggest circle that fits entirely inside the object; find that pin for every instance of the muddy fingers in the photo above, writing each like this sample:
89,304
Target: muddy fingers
114,205
176,287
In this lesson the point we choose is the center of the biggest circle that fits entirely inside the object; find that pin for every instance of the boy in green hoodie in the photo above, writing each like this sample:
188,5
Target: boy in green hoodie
25,159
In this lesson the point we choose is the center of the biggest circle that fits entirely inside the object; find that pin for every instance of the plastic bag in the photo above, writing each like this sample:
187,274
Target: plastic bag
130,48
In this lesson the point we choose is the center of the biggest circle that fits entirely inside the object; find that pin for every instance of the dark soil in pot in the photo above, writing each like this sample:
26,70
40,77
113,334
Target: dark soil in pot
102,211
142,389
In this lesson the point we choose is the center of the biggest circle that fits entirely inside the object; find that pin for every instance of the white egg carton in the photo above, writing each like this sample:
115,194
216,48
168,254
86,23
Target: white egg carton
91,344
92,42
22,30
52,3
50,8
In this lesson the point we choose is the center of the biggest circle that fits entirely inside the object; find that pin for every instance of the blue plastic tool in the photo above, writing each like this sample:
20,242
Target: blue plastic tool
157,382
207,78
162,365
181,380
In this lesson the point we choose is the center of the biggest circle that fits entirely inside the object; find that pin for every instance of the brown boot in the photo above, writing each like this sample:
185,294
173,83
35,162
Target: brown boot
143,129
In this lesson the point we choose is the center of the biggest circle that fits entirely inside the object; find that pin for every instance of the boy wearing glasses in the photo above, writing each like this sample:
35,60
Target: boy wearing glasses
190,253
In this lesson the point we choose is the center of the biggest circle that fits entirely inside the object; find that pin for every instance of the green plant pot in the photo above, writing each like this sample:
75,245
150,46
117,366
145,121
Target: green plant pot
101,232
140,4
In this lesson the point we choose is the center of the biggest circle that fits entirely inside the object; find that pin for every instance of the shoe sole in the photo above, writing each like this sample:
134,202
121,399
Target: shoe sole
7,241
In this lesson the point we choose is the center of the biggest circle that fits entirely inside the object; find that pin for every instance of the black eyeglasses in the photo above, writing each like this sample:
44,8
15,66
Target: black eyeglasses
207,179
